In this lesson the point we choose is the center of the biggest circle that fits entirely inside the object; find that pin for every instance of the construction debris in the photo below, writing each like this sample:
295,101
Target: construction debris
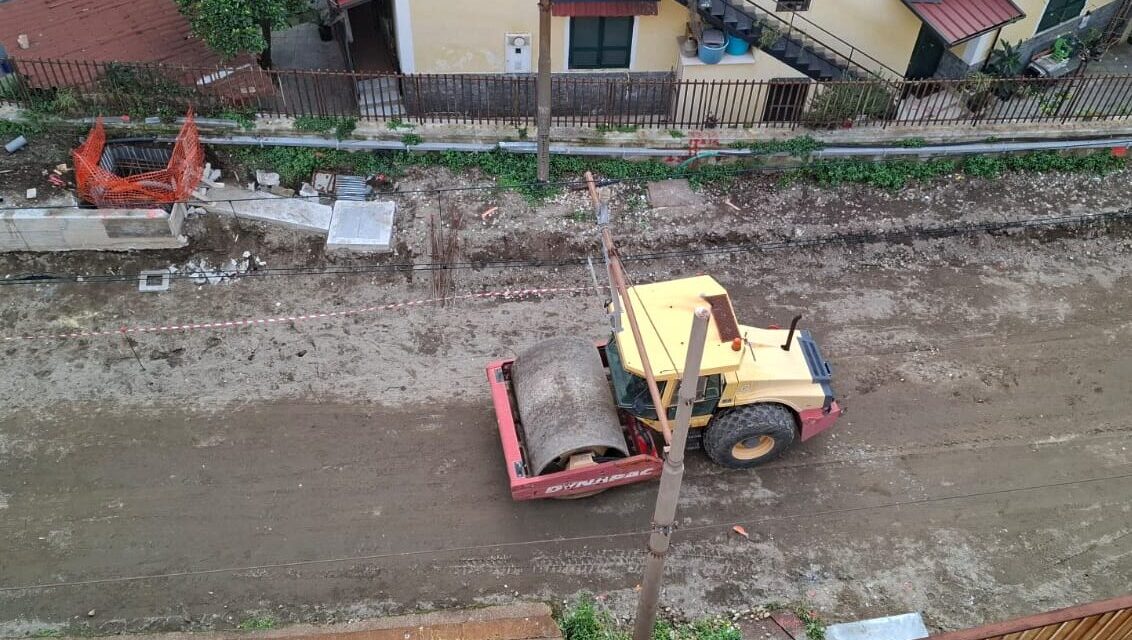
266,178
31,193
201,272
351,188
16,144
323,181
211,177
308,191
445,243
297,213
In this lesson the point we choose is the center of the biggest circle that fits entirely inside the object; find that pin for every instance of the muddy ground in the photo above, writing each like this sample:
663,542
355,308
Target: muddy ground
332,469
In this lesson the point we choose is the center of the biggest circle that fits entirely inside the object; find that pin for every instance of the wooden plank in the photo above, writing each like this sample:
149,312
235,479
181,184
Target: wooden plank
1111,626
1107,609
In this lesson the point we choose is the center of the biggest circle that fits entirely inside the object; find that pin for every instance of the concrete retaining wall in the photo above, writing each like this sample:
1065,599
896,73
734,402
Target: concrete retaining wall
72,229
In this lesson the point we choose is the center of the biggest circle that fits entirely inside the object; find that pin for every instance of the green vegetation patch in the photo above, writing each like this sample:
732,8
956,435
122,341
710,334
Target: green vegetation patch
584,621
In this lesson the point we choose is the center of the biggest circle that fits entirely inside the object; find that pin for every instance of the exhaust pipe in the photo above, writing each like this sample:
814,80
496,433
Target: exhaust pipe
790,336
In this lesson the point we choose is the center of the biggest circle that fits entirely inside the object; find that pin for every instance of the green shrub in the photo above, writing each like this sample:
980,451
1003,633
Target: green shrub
842,103
584,621
344,127
143,91
799,147
984,166
258,623
315,124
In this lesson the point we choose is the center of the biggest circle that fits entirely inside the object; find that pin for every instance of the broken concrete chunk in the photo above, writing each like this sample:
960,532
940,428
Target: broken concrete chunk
307,191
323,181
305,215
31,193
267,178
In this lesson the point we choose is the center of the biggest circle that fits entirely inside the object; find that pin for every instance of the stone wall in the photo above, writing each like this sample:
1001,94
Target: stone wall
952,66
73,228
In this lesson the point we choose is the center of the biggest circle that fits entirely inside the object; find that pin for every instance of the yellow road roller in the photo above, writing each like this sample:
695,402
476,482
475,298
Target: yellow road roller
576,418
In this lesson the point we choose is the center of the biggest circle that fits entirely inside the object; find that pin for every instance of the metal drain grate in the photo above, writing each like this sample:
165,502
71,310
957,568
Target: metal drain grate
351,188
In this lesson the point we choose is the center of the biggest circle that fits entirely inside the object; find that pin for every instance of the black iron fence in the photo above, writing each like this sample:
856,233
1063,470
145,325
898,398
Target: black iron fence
611,101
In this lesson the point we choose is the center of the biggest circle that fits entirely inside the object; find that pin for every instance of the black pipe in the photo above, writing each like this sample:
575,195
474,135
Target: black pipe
790,336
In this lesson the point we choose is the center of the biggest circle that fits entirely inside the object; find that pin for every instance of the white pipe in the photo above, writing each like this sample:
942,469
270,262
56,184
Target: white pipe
562,149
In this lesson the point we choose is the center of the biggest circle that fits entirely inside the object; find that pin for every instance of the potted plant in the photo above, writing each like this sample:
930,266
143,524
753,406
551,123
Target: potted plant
1004,63
980,90
1062,48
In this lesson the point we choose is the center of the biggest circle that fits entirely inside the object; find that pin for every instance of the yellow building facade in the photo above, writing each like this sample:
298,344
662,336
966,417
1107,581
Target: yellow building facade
841,39
448,36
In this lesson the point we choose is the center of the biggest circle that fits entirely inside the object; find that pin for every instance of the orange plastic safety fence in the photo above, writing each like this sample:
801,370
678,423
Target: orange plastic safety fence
174,183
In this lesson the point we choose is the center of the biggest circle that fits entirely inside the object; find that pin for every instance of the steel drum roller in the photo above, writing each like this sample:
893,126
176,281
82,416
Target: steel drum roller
565,404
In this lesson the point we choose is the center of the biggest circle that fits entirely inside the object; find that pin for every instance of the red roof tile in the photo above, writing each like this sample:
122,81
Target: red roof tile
603,8
102,31
957,20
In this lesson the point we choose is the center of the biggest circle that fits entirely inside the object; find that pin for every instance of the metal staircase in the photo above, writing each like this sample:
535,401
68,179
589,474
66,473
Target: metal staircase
1117,24
791,41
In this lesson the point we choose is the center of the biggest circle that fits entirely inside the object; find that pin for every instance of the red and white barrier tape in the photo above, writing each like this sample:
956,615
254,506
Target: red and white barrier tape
254,322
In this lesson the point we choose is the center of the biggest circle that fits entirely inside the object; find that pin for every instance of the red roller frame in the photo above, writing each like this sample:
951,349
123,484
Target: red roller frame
645,465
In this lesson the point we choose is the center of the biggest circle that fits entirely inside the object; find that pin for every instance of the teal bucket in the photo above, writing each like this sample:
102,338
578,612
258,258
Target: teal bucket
737,46
711,54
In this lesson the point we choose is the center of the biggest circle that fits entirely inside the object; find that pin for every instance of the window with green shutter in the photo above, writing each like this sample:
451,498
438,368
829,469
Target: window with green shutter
600,43
1058,11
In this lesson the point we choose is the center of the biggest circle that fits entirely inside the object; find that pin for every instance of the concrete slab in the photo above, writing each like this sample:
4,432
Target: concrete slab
361,226
74,228
296,213
673,193
905,626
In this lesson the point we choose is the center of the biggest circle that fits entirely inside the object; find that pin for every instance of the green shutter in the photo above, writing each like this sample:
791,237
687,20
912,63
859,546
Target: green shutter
600,43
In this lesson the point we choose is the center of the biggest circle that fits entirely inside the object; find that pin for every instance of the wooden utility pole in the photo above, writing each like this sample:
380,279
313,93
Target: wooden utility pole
664,516
621,292
543,122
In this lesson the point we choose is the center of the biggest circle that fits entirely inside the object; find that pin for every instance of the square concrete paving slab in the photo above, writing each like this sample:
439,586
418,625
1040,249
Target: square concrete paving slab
906,626
673,193
361,226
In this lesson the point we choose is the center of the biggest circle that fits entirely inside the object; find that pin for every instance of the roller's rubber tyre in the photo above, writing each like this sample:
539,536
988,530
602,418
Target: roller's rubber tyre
750,435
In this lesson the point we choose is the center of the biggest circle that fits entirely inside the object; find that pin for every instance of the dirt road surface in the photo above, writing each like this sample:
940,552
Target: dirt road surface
332,469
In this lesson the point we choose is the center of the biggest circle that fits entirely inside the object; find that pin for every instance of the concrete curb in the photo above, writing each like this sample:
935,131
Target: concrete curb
525,621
